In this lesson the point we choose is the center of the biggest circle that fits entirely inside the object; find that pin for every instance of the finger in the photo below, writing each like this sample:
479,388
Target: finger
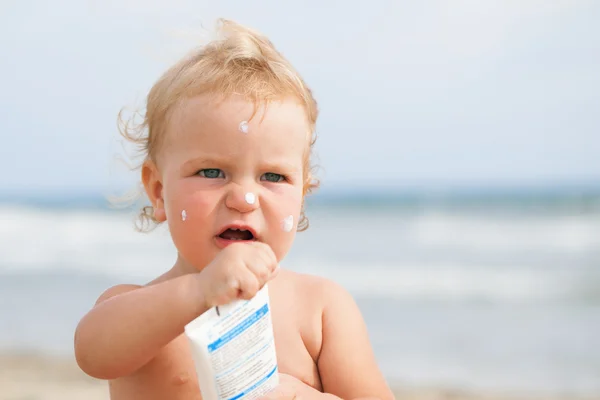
262,262
270,258
233,286
274,273
265,247
249,284
274,394
260,270
282,393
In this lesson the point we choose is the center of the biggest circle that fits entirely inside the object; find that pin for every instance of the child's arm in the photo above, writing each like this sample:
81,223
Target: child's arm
346,363
130,324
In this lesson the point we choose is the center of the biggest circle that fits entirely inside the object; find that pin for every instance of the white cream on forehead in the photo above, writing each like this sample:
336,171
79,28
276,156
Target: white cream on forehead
183,215
288,223
250,198
243,127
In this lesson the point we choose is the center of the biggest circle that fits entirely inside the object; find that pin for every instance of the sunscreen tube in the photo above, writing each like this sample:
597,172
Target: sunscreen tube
234,350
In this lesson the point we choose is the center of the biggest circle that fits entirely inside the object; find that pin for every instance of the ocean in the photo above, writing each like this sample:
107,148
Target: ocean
483,293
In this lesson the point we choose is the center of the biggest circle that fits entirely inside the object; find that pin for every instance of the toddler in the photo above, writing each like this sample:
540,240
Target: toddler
227,138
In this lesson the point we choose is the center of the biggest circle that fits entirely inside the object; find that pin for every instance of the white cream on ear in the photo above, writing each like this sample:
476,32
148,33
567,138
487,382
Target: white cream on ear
183,215
288,223
250,198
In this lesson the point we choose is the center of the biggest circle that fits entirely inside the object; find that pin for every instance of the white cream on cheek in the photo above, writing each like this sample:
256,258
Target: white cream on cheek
288,223
243,127
183,215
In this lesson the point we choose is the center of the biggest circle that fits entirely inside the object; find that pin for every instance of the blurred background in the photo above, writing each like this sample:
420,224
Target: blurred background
459,149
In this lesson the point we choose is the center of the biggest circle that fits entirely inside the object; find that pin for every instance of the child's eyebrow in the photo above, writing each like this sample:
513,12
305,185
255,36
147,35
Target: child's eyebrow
280,165
226,161
206,160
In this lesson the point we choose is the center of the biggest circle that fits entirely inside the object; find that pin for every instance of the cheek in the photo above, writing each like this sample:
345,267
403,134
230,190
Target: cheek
189,215
190,235
289,205
283,212
190,205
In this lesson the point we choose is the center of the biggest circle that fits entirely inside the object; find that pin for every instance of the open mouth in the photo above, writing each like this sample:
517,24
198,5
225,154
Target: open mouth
236,234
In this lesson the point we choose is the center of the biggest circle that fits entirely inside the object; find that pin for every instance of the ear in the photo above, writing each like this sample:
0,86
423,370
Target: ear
153,185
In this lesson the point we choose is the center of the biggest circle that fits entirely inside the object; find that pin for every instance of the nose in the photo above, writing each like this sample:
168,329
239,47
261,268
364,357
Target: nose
242,198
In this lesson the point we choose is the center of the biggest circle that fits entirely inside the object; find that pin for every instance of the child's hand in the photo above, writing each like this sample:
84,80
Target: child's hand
239,271
291,388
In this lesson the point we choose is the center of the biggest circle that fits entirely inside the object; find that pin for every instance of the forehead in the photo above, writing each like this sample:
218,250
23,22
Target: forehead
205,124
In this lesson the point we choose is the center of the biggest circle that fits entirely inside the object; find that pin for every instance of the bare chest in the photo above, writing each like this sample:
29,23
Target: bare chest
171,374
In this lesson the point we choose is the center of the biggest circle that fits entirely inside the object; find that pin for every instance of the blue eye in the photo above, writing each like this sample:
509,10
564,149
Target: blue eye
211,173
272,177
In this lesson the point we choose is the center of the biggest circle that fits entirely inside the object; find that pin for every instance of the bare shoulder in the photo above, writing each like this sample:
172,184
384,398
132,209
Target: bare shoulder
116,290
127,287
314,297
314,288
335,303
340,327
298,302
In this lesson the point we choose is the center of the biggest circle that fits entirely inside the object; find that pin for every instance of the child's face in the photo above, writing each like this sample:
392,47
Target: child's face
209,170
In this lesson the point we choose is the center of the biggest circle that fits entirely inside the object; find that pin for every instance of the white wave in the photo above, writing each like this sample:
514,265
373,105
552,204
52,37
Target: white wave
567,233
92,241
452,282
106,243
476,232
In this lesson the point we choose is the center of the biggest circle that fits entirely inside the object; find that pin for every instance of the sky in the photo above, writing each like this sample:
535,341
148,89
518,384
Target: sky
428,94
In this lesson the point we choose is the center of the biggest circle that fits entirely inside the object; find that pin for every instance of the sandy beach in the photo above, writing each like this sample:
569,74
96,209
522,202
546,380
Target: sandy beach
34,377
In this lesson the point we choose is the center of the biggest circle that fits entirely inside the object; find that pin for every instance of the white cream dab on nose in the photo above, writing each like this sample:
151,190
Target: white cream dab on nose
243,127
183,215
288,223
250,198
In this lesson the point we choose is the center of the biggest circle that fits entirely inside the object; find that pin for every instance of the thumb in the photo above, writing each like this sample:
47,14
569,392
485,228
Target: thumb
279,393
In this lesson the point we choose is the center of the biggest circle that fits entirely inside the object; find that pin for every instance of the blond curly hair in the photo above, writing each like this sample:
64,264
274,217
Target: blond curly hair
239,61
